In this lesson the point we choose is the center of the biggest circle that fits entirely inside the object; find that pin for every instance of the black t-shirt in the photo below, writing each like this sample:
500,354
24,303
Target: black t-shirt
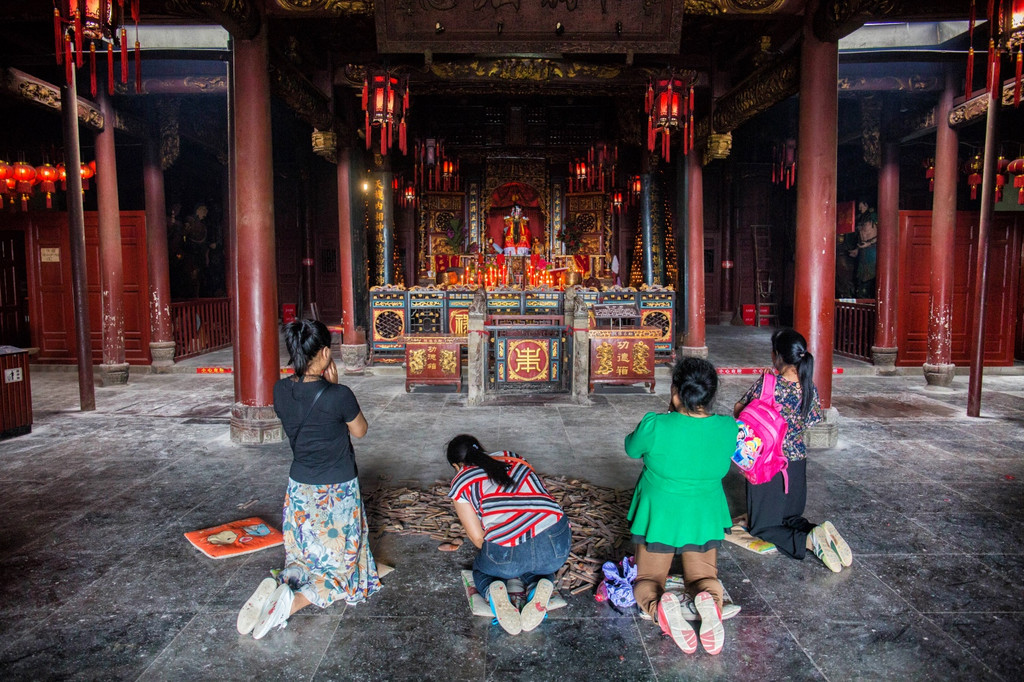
323,453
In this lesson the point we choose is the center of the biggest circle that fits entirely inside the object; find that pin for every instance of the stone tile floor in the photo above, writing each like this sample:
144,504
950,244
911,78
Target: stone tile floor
98,583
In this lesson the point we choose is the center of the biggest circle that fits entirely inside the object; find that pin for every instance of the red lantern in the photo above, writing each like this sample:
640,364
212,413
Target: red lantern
62,173
635,185
668,107
25,178
6,170
410,193
617,199
47,176
1017,168
929,173
974,168
386,102
88,170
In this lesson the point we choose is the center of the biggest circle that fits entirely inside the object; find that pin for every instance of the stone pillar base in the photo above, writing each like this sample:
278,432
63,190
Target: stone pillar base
112,375
824,434
162,353
353,358
939,375
725,317
255,425
884,360
692,352
581,361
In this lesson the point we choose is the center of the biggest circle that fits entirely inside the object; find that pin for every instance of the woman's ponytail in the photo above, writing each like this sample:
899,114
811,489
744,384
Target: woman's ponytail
304,339
466,450
805,370
791,347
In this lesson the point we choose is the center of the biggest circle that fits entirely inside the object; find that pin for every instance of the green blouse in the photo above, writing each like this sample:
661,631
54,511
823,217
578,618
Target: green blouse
679,499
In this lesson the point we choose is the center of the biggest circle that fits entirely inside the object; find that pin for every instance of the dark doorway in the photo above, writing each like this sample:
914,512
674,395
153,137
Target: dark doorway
13,290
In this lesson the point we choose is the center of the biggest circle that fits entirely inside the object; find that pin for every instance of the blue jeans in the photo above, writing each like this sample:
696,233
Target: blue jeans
531,560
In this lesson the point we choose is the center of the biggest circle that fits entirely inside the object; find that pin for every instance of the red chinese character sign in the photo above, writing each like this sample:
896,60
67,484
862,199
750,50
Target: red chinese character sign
622,356
528,360
433,359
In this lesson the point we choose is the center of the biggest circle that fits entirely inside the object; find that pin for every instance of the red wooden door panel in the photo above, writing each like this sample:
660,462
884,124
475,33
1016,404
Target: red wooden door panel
50,263
1001,318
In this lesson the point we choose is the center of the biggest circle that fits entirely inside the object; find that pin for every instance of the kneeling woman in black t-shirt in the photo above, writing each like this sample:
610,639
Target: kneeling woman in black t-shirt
327,550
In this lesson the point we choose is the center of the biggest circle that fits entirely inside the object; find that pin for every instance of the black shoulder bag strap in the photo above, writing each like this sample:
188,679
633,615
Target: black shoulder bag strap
319,393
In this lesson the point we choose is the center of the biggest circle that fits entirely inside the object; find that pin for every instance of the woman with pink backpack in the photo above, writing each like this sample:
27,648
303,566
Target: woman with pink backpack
775,508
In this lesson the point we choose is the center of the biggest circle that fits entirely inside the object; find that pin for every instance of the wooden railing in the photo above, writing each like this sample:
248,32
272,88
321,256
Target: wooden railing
855,328
200,326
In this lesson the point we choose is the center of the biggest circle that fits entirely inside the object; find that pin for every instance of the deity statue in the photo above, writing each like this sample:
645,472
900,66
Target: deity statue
517,233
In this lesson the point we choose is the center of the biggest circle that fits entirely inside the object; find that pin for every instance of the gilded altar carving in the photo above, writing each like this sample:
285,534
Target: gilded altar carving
325,145
302,96
241,18
47,95
719,146
169,115
514,68
757,93
870,130
976,107
706,8
333,7
838,18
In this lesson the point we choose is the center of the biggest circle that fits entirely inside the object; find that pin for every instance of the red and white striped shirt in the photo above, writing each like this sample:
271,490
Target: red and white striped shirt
508,514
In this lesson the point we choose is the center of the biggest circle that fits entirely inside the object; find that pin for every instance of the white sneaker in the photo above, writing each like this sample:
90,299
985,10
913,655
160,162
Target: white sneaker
250,612
536,610
712,632
275,612
507,614
672,623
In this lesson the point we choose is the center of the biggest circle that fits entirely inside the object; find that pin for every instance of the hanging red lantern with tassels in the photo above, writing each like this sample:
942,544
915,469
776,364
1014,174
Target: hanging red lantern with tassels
929,173
47,176
77,23
88,171
669,106
6,174
25,178
1006,33
974,169
386,103
1016,167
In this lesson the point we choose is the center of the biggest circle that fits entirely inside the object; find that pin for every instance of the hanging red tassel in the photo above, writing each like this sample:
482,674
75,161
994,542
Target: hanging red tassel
124,56
78,36
368,142
138,67
691,129
57,36
992,56
974,180
135,11
1016,81
997,83
1000,183
92,68
665,144
110,68
69,64
968,88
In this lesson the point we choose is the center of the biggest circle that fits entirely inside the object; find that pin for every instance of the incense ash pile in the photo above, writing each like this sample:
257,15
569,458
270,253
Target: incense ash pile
597,516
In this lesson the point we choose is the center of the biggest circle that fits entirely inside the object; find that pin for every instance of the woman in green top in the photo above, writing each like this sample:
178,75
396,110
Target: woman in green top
679,505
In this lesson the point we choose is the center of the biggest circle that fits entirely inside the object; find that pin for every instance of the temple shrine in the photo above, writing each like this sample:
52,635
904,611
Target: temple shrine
564,194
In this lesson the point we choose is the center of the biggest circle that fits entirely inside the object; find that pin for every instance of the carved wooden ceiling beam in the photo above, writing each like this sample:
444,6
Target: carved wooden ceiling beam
902,84
47,95
304,98
323,8
760,91
241,18
714,8
977,107
184,85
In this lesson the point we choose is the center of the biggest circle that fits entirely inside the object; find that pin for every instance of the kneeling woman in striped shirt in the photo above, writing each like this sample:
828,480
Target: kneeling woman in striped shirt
518,527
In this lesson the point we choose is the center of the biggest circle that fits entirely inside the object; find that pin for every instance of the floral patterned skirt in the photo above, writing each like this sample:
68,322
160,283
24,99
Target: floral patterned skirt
326,542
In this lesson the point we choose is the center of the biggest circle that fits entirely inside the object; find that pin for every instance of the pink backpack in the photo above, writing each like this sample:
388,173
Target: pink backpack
762,429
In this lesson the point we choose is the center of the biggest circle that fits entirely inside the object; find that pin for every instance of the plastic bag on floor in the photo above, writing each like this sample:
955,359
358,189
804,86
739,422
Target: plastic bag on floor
617,586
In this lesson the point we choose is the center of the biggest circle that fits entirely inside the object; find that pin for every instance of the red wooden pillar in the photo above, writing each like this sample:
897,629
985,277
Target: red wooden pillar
252,417
814,272
938,367
353,348
113,369
76,239
694,342
988,179
161,345
883,352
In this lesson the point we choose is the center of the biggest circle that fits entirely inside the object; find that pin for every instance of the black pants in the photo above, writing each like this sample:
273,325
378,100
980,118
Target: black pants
776,516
